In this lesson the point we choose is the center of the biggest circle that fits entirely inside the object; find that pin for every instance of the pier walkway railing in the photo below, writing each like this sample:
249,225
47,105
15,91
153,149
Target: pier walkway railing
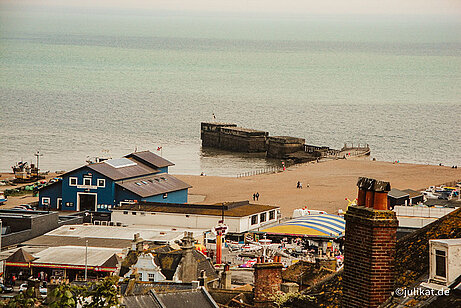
260,171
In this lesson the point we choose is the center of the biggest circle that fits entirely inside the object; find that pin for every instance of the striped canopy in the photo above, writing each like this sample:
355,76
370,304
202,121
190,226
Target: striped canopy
323,225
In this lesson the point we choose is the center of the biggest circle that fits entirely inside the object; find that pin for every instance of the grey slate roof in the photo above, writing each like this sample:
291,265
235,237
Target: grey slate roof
116,174
397,194
198,298
153,185
151,159
140,301
193,298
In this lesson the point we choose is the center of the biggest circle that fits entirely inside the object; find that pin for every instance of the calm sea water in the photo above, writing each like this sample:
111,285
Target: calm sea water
73,84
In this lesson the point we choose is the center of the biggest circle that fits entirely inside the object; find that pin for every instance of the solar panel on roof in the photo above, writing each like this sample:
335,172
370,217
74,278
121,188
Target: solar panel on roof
120,162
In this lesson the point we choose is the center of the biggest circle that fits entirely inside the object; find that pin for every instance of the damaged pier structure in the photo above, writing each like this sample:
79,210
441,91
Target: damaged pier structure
229,136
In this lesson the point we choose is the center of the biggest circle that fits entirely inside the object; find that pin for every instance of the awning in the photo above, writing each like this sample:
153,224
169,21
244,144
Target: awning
324,225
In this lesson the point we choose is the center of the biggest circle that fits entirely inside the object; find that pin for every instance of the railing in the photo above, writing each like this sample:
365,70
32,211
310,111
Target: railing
260,171
356,147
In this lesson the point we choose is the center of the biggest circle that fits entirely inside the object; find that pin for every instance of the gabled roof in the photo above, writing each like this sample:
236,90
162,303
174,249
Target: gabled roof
154,185
151,159
396,193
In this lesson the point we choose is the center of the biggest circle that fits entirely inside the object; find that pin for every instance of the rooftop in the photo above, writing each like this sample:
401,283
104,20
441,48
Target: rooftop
412,193
451,241
412,260
122,171
75,255
396,193
153,185
106,236
236,209
151,159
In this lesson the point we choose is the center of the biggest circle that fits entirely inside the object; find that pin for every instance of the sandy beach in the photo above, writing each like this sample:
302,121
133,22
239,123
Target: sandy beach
329,182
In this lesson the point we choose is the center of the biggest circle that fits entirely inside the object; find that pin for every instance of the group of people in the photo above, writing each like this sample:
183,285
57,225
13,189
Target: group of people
256,196
300,185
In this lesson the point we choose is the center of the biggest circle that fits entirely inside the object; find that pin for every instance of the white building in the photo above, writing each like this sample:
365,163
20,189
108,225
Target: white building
240,217
419,216
147,269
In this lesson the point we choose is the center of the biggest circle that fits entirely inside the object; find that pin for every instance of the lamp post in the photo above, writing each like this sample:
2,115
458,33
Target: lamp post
86,260
38,157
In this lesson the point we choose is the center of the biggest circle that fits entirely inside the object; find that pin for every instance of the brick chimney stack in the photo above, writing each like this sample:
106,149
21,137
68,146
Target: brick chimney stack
369,249
268,278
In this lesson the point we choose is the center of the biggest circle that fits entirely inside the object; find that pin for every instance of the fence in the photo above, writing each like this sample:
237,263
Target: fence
260,171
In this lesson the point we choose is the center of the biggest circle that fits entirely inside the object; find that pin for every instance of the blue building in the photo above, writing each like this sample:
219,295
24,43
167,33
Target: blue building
139,176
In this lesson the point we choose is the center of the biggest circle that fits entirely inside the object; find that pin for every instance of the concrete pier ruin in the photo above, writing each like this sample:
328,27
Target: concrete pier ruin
229,136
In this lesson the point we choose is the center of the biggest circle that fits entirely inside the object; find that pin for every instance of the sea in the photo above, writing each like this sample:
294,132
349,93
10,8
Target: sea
81,83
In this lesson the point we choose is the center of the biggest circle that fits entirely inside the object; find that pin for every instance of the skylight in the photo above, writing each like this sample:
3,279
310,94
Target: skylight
120,162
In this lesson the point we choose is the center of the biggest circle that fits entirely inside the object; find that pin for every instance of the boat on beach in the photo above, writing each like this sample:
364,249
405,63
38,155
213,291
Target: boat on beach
3,199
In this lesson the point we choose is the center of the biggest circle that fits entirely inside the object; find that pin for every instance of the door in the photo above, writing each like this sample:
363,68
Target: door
59,203
87,202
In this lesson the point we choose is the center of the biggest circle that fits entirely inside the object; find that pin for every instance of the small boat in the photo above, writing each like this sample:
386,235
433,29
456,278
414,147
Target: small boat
2,198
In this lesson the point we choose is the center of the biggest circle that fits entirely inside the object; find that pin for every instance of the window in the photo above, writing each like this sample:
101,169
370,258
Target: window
272,215
133,213
143,214
254,219
165,195
125,212
87,181
151,277
46,201
72,181
101,182
262,217
440,264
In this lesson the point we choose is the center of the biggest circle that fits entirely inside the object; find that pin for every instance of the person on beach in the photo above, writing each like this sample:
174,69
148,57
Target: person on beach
257,196
298,184
254,197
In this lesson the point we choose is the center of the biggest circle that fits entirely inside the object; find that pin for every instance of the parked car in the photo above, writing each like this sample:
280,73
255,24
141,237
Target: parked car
23,287
27,206
5,289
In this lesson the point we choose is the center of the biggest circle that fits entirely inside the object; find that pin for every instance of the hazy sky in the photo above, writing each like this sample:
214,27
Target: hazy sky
405,7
